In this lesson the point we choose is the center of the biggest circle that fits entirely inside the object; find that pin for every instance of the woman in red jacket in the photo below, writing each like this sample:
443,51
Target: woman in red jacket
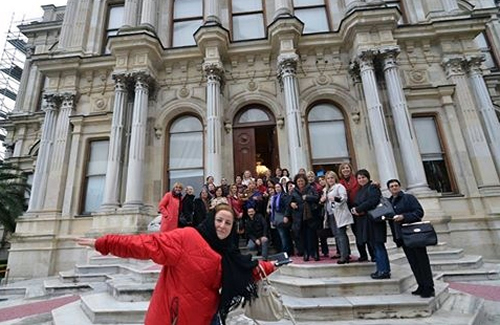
196,264
169,207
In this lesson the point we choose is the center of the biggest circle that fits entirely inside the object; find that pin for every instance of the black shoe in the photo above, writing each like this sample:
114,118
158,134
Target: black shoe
373,260
343,261
316,258
427,293
363,259
379,276
326,255
417,292
306,258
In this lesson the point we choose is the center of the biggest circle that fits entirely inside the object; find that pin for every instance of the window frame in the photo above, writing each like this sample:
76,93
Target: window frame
247,13
325,5
84,182
167,168
444,152
185,19
351,158
106,29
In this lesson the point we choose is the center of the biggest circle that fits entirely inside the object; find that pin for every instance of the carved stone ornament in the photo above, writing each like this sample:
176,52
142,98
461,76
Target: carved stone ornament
228,127
252,86
356,116
158,132
417,76
183,92
322,80
100,104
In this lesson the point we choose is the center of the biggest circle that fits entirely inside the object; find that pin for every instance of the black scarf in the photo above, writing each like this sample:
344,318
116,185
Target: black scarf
237,280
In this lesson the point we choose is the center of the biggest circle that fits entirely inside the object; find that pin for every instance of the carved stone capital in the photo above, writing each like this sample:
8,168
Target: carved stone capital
454,66
51,102
287,67
68,100
366,60
389,55
474,64
354,72
215,74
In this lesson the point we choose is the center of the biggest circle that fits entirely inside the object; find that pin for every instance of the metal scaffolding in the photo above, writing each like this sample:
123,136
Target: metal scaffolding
11,69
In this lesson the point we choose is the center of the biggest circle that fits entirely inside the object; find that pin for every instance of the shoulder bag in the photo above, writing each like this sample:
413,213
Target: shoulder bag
418,234
268,306
382,211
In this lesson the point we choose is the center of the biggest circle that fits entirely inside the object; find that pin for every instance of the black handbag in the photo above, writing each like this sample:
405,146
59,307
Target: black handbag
382,211
418,234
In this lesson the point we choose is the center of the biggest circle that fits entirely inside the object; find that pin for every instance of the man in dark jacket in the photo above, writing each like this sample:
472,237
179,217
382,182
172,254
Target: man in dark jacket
256,231
409,210
187,208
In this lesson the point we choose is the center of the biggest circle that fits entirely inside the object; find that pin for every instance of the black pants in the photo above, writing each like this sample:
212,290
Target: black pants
420,266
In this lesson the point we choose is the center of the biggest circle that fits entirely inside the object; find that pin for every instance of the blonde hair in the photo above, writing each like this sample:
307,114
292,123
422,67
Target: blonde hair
178,184
342,166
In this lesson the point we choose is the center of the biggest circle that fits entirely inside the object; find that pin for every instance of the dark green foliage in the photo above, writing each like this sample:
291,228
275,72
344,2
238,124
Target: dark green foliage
13,187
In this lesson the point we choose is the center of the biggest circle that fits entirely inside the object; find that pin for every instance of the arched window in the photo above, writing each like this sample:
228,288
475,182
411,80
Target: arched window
327,137
185,159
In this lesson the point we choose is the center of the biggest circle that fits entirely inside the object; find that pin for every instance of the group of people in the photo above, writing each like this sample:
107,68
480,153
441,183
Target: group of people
204,274
291,215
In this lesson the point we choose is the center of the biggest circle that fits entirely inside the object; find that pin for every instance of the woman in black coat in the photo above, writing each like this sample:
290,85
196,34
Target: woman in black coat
367,230
408,210
201,207
305,219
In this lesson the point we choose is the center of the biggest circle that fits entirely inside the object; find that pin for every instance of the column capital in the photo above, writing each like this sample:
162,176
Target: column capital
69,100
389,55
287,66
366,60
474,64
454,66
51,102
354,72
214,72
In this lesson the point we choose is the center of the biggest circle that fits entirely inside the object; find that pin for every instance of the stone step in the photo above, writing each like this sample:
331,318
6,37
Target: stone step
73,314
143,273
327,270
52,286
345,308
102,308
479,274
72,277
401,280
446,254
463,263
126,289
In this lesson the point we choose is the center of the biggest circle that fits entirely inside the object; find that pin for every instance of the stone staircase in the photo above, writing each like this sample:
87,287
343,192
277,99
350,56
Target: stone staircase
117,291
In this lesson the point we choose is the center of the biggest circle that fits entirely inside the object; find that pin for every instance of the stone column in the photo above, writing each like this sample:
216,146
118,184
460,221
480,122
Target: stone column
79,25
212,12
381,141
131,9
410,153
475,139
148,15
60,153
65,38
137,150
282,8
287,68
215,82
112,186
39,186
486,108
24,81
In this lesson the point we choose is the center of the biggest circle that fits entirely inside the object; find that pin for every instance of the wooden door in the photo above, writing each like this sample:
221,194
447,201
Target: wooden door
244,150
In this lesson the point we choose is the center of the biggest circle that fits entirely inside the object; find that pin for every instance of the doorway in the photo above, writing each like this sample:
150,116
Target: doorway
255,142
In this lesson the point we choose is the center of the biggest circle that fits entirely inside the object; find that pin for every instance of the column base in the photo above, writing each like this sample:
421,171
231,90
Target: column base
131,221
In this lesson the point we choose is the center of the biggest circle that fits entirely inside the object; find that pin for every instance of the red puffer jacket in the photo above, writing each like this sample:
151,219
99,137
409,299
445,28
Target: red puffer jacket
190,279
169,209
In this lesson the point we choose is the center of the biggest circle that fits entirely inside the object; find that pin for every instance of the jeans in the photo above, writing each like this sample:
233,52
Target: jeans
381,258
341,239
263,247
286,240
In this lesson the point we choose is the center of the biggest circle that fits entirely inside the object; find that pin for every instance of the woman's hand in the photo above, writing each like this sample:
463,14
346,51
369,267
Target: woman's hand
88,242
294,205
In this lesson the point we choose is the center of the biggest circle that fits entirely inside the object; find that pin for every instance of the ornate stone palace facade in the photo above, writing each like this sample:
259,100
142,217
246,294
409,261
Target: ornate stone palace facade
120,98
